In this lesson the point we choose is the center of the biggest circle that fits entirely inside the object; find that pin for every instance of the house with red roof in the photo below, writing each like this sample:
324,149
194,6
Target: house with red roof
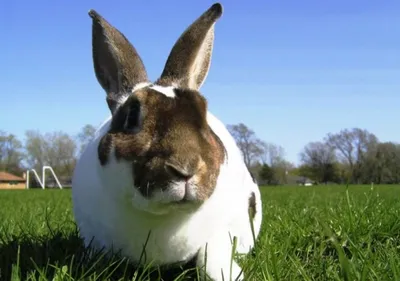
10,181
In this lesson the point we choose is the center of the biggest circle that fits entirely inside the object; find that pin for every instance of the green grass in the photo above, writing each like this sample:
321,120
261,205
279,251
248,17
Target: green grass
309,233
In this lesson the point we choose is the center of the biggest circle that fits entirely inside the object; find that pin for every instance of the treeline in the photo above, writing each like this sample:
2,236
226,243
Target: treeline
56,149
348,156
265,160
353,156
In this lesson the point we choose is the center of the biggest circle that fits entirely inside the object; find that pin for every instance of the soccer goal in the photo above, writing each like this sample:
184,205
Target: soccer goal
42,182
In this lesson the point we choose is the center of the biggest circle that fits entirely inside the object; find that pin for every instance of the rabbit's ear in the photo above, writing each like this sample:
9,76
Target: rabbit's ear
189,61
117,65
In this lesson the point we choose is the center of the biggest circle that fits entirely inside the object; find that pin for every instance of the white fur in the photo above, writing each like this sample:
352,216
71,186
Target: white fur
140,86
167,91
107,207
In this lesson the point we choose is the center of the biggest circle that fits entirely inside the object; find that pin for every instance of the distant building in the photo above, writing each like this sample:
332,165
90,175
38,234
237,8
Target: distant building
298,180
10,181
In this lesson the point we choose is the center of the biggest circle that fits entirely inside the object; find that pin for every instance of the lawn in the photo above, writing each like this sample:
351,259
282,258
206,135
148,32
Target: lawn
309,233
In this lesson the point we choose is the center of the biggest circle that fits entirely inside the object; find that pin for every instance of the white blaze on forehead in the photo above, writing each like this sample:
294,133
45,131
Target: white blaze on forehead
167,91
123,98
140,86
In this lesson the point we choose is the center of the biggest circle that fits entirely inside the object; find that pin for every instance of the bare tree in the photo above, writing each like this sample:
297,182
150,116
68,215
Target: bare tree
386,168
271,153
61,152
85,136
320,158
35,146
11,153
352,147
281,170
247,141
56,149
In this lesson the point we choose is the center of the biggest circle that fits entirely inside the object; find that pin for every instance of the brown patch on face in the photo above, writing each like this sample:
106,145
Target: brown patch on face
167,139
252,205
104,149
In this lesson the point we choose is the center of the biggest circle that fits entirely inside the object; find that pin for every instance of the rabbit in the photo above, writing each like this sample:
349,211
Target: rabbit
163,180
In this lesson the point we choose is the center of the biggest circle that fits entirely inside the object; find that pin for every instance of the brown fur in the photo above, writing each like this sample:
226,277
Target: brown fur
117,65
252,205
184,58
104,149
171,140
173,131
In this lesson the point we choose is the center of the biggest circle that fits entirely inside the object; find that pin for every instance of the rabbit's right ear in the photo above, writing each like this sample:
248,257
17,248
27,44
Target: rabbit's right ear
117,65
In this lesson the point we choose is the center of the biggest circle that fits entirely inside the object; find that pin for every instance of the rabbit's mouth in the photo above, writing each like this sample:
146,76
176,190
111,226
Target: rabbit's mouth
170,197
175,193
171,182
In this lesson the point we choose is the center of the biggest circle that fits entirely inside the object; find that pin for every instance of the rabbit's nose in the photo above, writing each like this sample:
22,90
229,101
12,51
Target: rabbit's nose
178,171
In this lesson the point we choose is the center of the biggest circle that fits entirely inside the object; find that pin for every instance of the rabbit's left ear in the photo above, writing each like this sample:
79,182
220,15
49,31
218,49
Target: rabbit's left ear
189,61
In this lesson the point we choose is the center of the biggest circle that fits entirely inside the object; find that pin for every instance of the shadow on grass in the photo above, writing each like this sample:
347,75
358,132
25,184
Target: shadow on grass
25,257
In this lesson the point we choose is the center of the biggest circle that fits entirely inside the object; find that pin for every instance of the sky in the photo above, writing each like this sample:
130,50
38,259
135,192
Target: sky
291,70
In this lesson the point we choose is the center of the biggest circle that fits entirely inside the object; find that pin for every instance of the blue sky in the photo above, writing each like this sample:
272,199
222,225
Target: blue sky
291,70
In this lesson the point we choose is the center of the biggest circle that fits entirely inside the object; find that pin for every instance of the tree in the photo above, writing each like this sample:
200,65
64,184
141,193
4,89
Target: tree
35,146
304,170
266,174
271,154
56,149
320,158
61,152
352,148
11,154
247,142
85,136
281,169
387,164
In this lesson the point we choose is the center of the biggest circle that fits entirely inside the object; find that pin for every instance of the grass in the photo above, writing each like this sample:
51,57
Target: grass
309,233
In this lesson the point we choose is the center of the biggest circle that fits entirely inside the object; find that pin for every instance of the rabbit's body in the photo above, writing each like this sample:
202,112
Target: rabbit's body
162,194
174,237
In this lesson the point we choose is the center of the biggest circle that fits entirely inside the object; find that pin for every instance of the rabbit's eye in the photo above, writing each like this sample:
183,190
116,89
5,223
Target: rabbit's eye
132,119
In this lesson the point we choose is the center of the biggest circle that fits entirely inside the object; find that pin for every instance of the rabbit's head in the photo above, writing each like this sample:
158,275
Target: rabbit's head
160,129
